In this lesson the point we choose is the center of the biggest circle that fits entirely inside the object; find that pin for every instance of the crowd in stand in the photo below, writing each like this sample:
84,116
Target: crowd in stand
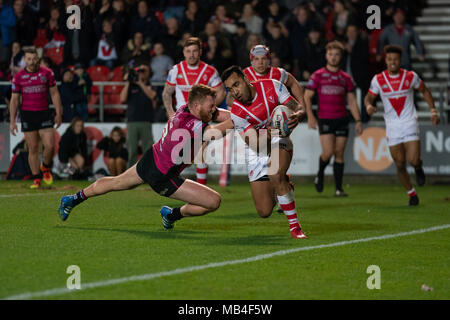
129,33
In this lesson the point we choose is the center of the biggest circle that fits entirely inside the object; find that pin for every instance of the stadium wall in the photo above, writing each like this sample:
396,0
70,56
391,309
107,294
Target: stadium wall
365,155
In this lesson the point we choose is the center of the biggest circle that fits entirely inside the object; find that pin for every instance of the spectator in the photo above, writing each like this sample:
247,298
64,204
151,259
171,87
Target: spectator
72,151
26,23
356,62
180,45
7,24
299,29
17,58
341,19
278,15
161,64
253,22
212,28
66,90
78,46
233,9
83,85
252,40
106,52
114,149
193,21
138,95
55,34
240,45
314,57
145,22
170,36
403,35
279,44
213,55
224,22
136,51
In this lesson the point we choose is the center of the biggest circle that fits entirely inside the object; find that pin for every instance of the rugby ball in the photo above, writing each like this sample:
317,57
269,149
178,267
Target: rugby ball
279,120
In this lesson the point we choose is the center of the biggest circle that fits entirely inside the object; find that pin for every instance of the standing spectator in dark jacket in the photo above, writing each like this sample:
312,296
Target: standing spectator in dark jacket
114,149
66,91
356,62
26,23
299,29
193,21
79,42
82,91
170,36
276,14
7,24
72,151
403,35
279,44
115,12
145,22
314,57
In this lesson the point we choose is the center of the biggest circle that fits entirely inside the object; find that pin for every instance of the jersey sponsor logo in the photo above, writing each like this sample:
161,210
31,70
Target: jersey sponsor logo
324,75
33,78
371,150
180,76
25,76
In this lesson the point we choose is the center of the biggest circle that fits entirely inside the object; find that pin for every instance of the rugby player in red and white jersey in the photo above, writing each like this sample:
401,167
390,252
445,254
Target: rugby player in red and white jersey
335,88
396,88
261,69
182,77
162,164
251,109
30,89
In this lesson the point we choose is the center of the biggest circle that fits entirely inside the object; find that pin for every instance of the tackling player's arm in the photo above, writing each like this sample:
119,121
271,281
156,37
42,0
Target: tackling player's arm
354,109
13,107
312,121
219,130
167,99
56,99
430,101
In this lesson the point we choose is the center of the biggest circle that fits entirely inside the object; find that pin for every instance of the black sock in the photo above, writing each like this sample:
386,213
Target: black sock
36,176
322,166
176,214
48,166
338,171
79,197
419,166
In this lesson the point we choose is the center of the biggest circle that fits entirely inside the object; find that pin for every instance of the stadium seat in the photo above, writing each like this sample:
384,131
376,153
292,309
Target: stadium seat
55,54
112,97
98,73
117,74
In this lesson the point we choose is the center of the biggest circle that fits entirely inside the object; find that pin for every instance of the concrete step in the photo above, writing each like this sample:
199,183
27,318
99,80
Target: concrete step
436,11
427,65
431,75
443,57
435,29
434,38
434,20
433,3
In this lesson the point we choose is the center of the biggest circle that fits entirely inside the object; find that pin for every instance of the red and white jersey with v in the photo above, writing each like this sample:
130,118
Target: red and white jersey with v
183,77
397,95
269,94
273,73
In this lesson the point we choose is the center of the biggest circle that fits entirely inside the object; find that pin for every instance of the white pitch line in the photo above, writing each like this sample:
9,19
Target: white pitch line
29,194
149,276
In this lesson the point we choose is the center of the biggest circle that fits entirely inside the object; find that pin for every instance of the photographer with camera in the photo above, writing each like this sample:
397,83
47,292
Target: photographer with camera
138,95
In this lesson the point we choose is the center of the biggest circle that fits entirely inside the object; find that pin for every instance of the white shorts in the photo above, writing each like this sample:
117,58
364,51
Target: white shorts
257,166
401,133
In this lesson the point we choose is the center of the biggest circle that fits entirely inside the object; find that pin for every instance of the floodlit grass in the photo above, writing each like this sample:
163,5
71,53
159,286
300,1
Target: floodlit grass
120,235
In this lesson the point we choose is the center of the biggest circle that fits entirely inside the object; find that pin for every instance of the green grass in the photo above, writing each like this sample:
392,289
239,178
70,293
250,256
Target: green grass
120,235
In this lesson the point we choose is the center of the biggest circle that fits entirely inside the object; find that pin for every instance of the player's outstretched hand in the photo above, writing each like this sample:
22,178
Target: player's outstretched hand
435,119
358,128
58,120
295,118
312,122
371,110
13,128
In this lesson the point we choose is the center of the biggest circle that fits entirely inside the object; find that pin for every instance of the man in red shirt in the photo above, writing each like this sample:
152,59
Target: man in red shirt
30,88
334,87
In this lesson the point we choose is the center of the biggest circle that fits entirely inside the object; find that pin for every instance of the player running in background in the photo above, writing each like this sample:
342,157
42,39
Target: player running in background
251,110
162,164
334,88
30,88
182,77
396,89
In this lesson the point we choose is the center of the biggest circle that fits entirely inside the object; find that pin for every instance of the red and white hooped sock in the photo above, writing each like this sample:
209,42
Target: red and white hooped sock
202,173
412,192
287,204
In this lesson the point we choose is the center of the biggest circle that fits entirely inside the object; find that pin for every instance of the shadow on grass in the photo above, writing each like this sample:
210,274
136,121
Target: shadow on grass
157,234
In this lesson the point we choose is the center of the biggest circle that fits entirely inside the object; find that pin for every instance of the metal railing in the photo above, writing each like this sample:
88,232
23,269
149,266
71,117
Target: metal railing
441,104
